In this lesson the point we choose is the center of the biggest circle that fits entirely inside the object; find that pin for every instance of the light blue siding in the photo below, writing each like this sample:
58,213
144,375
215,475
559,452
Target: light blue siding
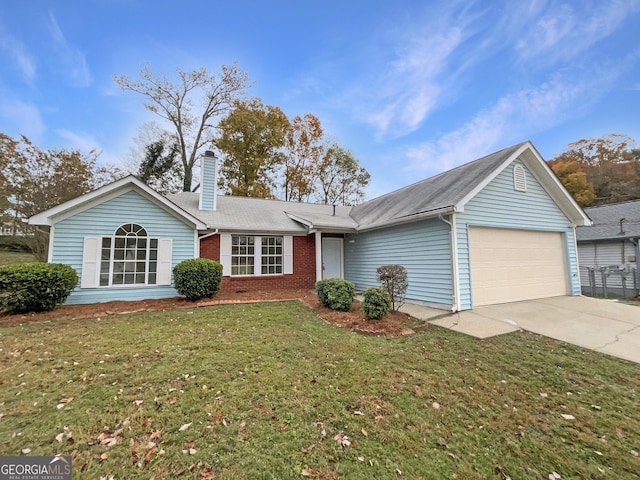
499,205
103,220
208,187
423,248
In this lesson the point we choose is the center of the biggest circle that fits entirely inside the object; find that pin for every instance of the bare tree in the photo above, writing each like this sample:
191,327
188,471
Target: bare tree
176,103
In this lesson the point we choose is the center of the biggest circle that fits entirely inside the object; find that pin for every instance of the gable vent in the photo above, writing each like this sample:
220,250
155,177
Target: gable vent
519,179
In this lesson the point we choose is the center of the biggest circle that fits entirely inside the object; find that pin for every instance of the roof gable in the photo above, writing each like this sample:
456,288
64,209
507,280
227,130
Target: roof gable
107,192
450,191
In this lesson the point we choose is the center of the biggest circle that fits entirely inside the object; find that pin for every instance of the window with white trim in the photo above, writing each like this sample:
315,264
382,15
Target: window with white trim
129,257
242,255
257,255
272,256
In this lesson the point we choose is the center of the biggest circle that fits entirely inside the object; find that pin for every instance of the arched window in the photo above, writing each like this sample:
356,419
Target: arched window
519,179
129,257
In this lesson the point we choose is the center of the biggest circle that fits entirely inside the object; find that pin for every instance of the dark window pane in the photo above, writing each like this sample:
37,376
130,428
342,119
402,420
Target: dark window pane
153,243
120,242
128,278
139,277
152,278
104,279
142,243
118,254
118,279
106,242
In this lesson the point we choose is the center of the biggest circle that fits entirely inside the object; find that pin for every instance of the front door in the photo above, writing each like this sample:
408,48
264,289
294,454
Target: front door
331,258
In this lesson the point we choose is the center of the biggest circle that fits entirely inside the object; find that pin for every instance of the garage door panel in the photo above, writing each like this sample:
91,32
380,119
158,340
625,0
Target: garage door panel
513,265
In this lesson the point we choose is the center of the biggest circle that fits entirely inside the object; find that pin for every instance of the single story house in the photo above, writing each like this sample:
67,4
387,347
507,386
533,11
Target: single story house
498,229
609,249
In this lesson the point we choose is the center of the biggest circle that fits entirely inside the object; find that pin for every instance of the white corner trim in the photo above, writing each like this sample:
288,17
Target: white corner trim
318,240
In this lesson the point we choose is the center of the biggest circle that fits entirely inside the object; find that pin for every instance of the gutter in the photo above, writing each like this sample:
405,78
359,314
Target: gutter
211,234
454,261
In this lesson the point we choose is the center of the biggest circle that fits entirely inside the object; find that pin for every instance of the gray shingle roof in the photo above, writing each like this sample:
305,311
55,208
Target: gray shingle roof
258,214
606,222
435,193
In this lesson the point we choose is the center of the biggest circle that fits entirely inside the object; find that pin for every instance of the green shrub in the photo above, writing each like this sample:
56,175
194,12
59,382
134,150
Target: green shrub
35,287
395,281
336,294
197,278
376,303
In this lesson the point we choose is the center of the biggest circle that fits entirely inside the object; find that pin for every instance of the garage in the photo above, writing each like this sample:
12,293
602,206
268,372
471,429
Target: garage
509,265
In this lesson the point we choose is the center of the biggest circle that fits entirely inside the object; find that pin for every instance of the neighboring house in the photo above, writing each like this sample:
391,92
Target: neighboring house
498,229
609,248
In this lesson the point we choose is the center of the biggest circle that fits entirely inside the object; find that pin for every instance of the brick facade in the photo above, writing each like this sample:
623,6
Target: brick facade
304,267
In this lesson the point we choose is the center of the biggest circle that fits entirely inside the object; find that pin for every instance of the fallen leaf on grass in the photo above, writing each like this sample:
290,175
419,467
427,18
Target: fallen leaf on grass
436,405
554,476
109,439
137,403
305,473
619,432
185,426
104,456
567,416
364,432
26,450
342,440
155,434
172,400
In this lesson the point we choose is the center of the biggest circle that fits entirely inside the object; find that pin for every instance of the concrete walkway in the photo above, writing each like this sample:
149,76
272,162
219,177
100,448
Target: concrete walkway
602,325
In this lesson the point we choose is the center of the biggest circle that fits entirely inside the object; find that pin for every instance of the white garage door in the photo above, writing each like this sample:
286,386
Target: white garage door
513,265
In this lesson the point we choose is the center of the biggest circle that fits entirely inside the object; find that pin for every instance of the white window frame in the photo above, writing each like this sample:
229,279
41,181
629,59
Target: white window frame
226,255
92,260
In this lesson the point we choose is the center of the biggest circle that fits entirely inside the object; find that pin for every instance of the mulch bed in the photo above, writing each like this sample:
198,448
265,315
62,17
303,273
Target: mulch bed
393,325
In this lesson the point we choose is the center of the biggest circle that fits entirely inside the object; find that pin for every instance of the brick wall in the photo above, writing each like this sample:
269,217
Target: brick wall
304,267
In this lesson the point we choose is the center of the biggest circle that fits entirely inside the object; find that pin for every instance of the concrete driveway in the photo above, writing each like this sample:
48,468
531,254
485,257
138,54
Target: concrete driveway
602,325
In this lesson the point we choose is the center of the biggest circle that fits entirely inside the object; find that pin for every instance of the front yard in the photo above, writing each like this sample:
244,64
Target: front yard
271,391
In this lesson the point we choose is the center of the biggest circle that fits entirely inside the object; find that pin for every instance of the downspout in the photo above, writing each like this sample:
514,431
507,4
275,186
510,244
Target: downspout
454,261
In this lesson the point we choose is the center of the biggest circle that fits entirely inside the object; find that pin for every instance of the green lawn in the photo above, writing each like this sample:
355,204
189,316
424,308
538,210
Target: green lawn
8,257
270,391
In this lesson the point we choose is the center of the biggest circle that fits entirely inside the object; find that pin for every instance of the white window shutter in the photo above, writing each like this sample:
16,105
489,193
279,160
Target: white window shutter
90,262
288,254
165,258
225,253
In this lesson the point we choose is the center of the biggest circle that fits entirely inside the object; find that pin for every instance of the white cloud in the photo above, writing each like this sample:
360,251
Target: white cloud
23,118
560,32
72,61
17,51
410,88
512,119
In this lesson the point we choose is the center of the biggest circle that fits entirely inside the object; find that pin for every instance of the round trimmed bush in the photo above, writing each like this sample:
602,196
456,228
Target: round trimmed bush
336,294
35,287
197,278
376,303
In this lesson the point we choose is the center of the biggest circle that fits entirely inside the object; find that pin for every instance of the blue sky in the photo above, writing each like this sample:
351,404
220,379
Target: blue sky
412,88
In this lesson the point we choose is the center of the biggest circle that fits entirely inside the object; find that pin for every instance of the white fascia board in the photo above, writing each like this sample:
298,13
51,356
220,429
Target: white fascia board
545,176
554,187
489,178
301,220
107,192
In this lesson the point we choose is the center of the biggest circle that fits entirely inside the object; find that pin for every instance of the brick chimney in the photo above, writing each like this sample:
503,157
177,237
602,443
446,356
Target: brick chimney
208,180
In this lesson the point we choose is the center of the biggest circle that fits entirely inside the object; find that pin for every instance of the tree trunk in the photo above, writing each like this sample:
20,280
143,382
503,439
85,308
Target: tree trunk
186,187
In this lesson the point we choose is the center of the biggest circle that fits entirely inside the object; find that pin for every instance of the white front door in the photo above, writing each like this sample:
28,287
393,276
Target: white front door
331,258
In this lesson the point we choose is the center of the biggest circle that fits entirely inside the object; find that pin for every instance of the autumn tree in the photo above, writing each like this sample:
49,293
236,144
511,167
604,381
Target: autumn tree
250,141
302,157
574,179
40,179
341,179
609,164
191,105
